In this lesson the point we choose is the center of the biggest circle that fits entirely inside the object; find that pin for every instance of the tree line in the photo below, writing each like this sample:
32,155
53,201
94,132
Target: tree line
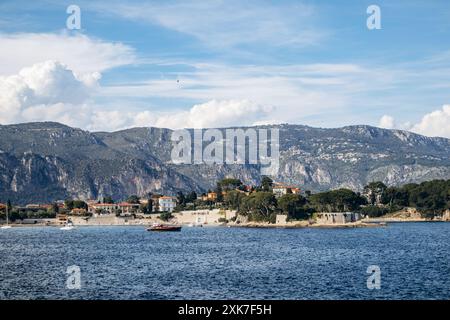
258,203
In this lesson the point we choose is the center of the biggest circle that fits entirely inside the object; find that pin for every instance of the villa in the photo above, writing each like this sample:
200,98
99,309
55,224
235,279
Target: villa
108,208
279,189
166,203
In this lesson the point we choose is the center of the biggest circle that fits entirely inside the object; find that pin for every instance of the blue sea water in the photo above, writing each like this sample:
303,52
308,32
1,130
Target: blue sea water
227,263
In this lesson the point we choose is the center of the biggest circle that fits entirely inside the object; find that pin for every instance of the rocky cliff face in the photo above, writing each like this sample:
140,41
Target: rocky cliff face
42,162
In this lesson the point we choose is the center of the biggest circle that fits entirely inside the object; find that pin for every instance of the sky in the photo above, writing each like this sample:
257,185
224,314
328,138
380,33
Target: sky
218,63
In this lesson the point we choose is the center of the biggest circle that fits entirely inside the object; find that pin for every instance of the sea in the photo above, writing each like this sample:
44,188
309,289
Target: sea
398,261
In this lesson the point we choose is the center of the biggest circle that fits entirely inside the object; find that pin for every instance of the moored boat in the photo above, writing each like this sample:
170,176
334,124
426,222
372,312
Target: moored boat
68,226
164,227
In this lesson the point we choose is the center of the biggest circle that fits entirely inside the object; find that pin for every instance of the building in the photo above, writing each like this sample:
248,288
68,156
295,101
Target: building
110,208
61,217
166,203
2,206
78,212
102,208
126,207
280,189
337,217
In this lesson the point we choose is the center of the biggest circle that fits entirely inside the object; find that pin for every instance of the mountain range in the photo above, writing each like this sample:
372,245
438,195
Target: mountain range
48,161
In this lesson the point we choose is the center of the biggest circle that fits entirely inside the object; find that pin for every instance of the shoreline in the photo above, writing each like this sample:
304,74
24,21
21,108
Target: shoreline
364,223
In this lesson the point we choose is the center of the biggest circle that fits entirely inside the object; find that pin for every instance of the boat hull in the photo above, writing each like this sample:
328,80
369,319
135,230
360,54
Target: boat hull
165,228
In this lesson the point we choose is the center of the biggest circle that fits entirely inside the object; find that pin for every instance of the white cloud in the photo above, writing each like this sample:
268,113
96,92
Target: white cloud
43,91
212,114
79,52
387,122
433,124
51,91
223,24
298,91
436,123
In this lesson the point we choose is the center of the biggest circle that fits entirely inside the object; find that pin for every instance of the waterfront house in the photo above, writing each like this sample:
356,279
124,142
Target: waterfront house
166,203
126,207
211,196
78,212
2,206
110,208
61,217
102,208
337,217
280,189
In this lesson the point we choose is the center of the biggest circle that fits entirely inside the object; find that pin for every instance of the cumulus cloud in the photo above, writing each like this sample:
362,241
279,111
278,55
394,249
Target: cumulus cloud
216,113
436,123
43,91
433,124
387,122
79,52
51,91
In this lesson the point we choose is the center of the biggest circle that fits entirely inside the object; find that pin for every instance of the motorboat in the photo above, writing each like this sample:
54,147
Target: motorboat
164,227
68,226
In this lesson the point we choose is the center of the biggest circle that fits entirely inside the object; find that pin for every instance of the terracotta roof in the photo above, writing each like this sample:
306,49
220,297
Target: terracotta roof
102,204
126,204
276,186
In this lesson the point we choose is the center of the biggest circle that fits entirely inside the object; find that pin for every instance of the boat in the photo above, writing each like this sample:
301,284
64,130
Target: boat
164,227
7,220
68,226
192,225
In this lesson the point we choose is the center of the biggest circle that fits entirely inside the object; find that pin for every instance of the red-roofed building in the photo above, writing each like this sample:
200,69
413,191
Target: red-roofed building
280,189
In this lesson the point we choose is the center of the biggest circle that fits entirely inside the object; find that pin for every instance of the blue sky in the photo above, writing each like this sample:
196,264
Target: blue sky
220,63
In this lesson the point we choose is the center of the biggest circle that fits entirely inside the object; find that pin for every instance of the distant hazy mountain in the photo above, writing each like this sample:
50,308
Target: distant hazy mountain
42,162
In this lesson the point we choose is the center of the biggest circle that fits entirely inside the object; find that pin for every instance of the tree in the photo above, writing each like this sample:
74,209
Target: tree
373,211
165,216
68,204
340,200
293,205
181,199
55,208
191,196
108,199
259,206
147,208
79,204
374,192
266,184
219,193
134,199
230,183
9,205
233,199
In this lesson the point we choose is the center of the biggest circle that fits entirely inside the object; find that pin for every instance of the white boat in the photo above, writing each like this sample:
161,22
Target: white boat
191,225
7,220
68,226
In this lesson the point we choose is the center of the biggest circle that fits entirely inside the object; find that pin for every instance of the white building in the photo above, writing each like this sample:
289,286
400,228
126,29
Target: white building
337,217
167,203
